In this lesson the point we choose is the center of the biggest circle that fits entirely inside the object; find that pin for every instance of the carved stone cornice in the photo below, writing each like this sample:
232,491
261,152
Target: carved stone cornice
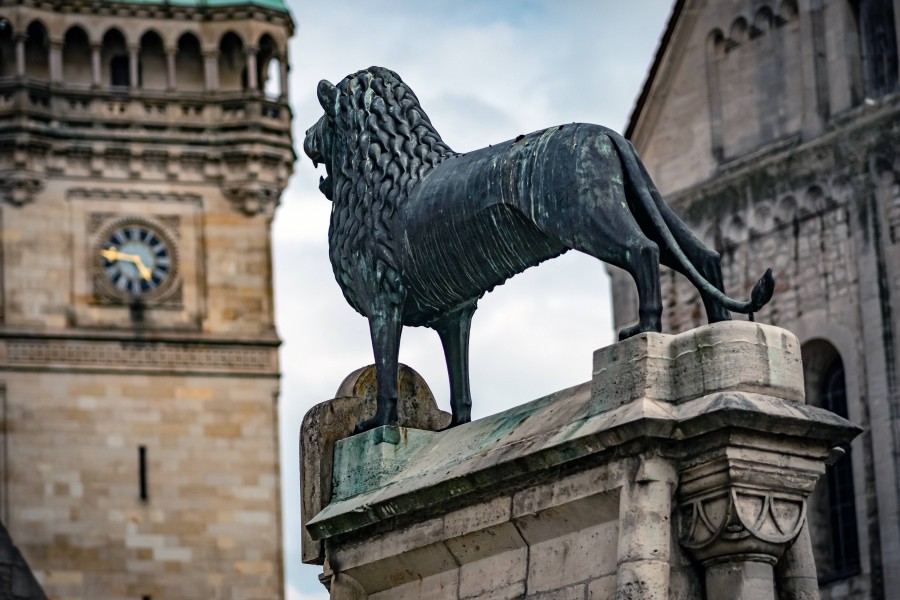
253,197
19,187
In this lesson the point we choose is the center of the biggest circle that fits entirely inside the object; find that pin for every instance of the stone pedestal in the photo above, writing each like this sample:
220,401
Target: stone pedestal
679,471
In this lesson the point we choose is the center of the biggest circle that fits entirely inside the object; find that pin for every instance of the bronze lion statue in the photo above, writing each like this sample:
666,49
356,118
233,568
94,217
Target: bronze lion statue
419,232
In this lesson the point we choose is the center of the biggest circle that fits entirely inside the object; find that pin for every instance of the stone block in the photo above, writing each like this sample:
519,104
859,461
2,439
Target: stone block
500,573
330,421
733,355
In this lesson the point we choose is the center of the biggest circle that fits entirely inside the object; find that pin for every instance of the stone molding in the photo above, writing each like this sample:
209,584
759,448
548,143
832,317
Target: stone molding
674,437
133,195
150,357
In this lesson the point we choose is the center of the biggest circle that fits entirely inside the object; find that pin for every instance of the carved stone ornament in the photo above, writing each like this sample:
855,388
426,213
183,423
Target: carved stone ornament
253,198
740,522
19,188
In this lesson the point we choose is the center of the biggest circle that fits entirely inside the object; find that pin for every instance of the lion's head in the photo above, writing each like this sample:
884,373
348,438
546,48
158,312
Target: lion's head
376,143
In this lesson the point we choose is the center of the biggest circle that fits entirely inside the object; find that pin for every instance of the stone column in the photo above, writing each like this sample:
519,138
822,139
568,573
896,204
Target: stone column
285,69
56,66
20,54
740,512
134,67
171,73
796,572
644,531
96,78
252,74
211,70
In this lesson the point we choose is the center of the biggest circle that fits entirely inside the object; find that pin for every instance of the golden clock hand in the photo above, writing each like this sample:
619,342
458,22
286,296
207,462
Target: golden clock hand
112,254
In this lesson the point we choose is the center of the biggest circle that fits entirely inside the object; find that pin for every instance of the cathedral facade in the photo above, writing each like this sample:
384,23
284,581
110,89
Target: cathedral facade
143,149
773,128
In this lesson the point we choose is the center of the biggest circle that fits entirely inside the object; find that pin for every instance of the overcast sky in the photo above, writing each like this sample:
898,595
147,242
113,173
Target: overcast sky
484,71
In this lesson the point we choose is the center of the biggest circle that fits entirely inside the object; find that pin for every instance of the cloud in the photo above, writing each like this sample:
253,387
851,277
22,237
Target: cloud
484,72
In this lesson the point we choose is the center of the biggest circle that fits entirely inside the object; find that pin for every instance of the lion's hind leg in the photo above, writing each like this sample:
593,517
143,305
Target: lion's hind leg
707,261
641,260
454,333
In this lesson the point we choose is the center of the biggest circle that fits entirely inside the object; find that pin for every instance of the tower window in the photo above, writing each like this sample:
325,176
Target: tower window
118,71
878,45
142,477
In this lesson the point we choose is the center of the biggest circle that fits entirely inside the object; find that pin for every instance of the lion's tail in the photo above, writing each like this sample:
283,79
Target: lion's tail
648,198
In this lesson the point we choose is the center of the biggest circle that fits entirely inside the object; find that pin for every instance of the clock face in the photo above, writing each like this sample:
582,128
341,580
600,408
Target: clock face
136,259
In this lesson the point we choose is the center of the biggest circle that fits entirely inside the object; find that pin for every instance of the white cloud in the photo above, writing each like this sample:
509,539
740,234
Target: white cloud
484,72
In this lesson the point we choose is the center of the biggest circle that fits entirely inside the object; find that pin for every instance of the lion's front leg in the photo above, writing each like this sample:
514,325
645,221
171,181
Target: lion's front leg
385,327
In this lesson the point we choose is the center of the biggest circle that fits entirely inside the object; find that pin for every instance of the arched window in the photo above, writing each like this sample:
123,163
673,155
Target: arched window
266,76
232,63
152,65
37,50
7,50
878,45
76,57
189,64
272,82
832,507
114,57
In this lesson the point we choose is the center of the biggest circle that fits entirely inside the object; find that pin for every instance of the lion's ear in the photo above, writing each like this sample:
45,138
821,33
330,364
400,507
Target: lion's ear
327,95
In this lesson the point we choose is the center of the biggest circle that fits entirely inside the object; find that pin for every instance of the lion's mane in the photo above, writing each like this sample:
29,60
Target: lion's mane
385,145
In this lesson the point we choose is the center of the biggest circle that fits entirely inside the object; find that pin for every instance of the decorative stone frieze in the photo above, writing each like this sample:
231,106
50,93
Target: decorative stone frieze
124,355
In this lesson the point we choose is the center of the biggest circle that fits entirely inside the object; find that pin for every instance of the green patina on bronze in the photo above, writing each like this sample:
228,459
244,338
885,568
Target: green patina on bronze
419,232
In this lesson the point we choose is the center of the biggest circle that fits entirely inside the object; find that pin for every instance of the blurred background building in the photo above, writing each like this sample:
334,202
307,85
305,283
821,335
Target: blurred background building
772,127
143,149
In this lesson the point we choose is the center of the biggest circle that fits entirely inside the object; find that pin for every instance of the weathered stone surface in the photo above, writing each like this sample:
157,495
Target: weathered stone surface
330,421
776,150
576,493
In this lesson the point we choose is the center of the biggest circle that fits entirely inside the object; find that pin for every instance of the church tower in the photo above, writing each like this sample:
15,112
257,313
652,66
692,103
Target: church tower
143,149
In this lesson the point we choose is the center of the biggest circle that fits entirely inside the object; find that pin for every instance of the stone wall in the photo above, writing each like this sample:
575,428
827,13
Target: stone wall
73,479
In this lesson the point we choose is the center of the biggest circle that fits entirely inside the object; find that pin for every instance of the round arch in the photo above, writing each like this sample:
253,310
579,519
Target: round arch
76,57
